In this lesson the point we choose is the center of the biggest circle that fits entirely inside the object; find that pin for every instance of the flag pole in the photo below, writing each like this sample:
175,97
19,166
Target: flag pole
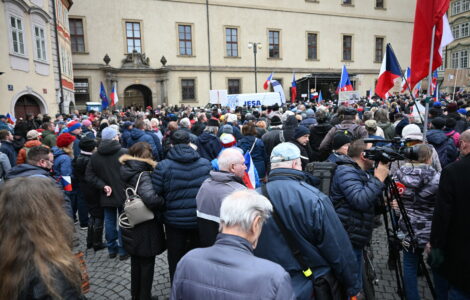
455,83
407,85
428,92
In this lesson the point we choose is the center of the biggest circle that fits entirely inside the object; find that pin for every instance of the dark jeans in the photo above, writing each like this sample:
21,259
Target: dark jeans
410,273
142,277
112,231
359,258
179,242
79,204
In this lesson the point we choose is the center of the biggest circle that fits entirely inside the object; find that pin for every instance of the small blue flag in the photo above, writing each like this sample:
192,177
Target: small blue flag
104,98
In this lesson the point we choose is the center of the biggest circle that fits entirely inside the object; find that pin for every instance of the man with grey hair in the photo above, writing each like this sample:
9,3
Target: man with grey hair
309,218
220,183
185,125
228,269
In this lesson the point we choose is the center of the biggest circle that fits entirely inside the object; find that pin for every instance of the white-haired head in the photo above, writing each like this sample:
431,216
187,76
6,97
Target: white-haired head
232,160
245,211
232,118
185,123
154,122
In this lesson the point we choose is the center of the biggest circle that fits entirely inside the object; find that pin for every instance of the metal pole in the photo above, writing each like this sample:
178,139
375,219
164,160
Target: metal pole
308,87
455,83
428,92
255,50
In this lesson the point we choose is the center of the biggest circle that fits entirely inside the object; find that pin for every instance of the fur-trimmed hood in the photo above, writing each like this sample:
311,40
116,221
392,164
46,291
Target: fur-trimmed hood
126,157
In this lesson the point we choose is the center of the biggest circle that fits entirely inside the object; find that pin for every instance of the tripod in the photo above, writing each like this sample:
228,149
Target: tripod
395,241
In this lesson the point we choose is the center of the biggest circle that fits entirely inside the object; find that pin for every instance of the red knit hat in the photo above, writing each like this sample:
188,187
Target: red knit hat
64,140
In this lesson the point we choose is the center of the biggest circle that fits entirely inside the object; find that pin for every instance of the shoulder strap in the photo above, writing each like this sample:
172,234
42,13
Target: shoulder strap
291,242
254,144
138,181
281,136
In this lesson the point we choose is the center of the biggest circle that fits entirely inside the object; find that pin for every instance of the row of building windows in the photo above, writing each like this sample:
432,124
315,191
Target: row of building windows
185,41
460,6
18,43
460,30
378,3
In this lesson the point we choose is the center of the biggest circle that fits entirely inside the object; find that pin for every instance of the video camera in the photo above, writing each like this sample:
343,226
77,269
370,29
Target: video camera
386,154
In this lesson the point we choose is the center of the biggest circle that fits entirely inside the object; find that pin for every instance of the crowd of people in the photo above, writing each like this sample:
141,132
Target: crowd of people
234,203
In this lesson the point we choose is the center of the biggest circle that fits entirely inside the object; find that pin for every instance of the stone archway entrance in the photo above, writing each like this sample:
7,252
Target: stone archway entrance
138,96
27,104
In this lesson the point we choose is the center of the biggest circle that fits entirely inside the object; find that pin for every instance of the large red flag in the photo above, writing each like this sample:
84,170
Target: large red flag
429,13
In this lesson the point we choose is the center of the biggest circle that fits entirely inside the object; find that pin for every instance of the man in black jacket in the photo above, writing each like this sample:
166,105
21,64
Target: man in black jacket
103,172
6,140
450,234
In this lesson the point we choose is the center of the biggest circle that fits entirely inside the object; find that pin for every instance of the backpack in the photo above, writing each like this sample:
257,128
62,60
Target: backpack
446,151
324,170
347,130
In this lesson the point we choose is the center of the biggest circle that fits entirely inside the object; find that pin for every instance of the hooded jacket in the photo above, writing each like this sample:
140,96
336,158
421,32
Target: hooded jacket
138,135
62,163
147,238
354,194
103,170
21,159
389,131
421,183
90,193
209,199
444,146
178,179
48,138
208,146
317,134
8,148
312,221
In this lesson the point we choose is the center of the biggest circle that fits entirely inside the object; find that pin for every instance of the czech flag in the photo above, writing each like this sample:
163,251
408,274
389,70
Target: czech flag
389,71
293,91
320,97
114,96
249,178
429,14
344,84
434,82
11,119
405,80
268,81
104,98
66,182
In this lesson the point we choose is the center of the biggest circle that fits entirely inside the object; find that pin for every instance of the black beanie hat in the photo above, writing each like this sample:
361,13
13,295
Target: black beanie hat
87,144
213,122
339,140
180,137
276,121
301,131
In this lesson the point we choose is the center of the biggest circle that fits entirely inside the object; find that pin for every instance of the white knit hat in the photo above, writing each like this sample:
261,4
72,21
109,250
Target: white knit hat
412,132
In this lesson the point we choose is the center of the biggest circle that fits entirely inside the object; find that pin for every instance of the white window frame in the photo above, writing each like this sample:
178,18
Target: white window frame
463,59
456,8
21,45
456,31
40,43
455,60
464,30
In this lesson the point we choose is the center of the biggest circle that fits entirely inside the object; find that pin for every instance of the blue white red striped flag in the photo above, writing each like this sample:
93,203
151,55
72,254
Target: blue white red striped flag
66,182
249,178
344,83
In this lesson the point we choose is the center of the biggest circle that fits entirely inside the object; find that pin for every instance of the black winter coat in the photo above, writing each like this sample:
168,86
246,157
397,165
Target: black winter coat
148,238
355,194
90,193
317,134
450,224
103,170
178,179
444,146
271,139
208,146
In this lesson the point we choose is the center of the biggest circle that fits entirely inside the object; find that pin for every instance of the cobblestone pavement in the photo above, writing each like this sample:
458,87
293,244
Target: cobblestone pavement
110,278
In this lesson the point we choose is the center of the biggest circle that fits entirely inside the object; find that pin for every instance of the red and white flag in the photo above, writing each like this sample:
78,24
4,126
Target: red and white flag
429,13
114,96
249,178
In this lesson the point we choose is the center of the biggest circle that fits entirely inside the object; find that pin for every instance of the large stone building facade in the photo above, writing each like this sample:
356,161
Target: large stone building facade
456,69
175,51
28,57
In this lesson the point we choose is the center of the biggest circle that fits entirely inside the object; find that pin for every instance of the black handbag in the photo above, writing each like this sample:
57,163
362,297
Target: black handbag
325,287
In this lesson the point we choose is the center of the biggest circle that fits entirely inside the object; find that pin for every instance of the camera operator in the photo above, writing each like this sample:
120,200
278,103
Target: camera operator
421,182
355,194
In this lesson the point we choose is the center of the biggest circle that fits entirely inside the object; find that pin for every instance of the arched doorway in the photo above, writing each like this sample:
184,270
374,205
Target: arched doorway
27,104
138,96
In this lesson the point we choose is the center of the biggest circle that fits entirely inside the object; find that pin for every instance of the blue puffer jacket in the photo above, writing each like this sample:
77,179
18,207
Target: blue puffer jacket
158,144
62,163
208,146
444,146
312,221
178,179
354,194
138,135
126,134
258,154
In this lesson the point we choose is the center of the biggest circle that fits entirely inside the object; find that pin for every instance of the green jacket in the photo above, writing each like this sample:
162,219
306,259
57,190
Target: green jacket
48,138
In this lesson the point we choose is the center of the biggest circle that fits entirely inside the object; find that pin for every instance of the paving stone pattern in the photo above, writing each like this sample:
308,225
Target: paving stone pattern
110,278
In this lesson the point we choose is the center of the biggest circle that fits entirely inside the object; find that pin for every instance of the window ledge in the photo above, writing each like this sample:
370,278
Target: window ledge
348,61
233,57
312,1
179,55
81,53
347,5
274,58
380,8
312,59
44,62
188,101
19,55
